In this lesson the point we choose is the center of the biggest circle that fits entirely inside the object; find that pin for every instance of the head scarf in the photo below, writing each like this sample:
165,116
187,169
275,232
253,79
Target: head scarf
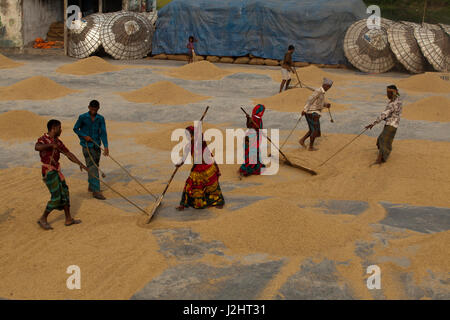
257,113
394,91
328,81
191,131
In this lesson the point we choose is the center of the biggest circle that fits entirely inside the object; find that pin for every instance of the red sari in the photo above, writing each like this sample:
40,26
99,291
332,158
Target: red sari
252,149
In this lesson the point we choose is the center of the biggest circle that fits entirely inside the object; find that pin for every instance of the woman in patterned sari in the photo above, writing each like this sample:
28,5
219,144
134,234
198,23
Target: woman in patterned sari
202,189
253,163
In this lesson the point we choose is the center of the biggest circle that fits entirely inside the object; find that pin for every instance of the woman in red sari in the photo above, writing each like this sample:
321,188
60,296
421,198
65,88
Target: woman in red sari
252,143
202,189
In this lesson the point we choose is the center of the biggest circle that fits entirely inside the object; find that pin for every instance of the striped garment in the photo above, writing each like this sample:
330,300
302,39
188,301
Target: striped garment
202,188
313,120
58,189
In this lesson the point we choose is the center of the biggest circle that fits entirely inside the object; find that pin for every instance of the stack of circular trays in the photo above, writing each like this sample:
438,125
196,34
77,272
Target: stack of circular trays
127,35
368,49
84,37
435,46
404,45
446,28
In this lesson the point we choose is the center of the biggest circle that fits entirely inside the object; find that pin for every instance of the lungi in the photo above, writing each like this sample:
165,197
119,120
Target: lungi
59,191
313,120
94,183
285,74
384,141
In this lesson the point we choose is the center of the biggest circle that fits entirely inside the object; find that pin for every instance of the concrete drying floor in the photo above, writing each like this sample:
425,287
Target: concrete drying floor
256,274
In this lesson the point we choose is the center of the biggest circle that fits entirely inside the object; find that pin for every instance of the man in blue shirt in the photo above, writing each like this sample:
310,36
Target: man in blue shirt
91,128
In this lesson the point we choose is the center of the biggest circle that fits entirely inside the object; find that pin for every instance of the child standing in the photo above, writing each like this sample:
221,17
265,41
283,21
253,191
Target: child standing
190,46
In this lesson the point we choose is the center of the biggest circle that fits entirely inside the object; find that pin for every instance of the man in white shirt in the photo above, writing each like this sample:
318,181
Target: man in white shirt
311,111
391,115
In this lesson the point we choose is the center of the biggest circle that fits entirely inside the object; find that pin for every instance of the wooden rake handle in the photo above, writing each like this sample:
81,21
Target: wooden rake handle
343,147
284,156
127,172
286,159
158,202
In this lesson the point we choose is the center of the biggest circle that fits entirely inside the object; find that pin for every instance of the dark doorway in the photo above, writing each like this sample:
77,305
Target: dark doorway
87,6
91,6
112,5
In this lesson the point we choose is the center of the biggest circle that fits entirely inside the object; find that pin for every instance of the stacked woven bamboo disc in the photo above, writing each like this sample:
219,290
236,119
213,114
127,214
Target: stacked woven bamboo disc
417,47
123,35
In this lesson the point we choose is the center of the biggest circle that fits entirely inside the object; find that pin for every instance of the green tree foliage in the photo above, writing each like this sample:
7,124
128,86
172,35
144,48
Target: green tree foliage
161,3
437,11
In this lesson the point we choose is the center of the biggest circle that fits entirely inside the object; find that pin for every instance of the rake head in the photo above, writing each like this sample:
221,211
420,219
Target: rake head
155,207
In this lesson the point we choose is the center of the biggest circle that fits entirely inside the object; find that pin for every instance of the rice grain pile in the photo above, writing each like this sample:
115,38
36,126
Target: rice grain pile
202,70
436,108
88,66
35,88
162,93
6,63
313,76
292,100
282,225
21,124
426,82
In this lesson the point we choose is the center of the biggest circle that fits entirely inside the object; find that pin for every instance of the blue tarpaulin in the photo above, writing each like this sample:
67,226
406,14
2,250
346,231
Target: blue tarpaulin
263,28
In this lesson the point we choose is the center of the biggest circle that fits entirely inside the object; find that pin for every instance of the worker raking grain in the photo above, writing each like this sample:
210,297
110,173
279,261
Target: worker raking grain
91,129
312,113
50,148
391,115
253,138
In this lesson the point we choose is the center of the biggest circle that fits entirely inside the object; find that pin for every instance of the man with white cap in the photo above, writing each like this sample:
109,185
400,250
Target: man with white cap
311,111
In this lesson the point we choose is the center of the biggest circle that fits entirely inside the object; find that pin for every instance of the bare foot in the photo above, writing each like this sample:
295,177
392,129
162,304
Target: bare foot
98,195
375,163
219,207
302,143
180,208
312,149
44,224
71,222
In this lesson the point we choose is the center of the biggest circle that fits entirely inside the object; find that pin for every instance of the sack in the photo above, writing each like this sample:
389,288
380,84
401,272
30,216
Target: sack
257,61
242,60
178,57
161,56
271,62
212,58
301,64
226,60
